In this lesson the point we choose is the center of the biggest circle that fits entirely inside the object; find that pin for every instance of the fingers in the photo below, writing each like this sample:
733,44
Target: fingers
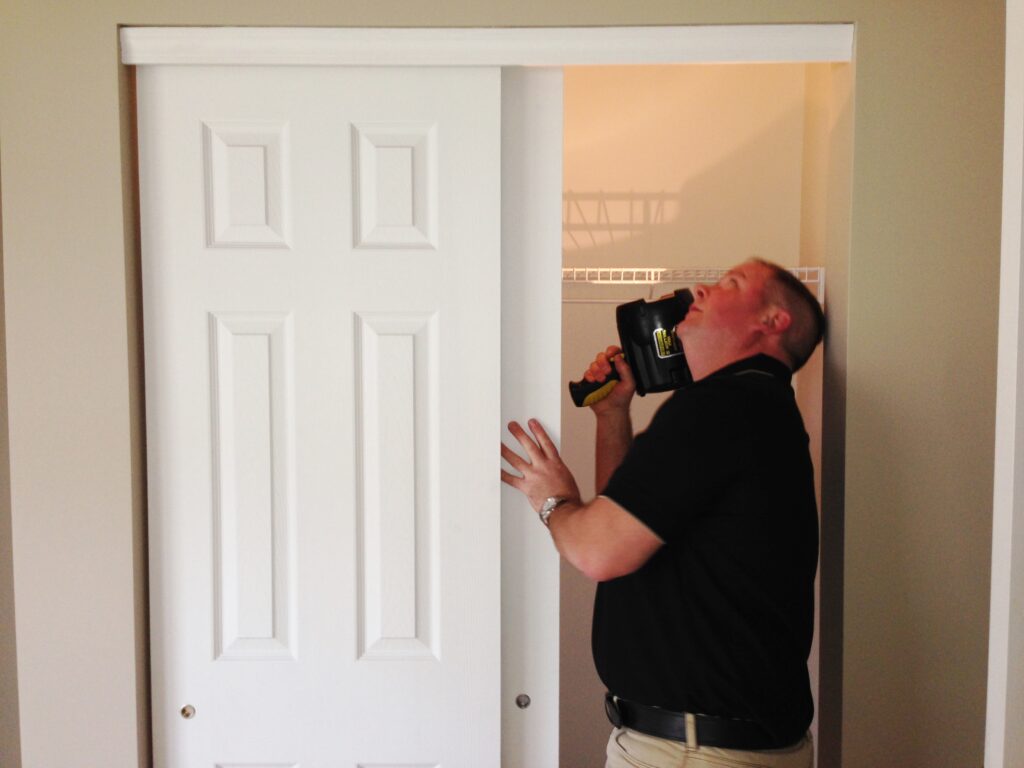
545,442
599,369
516,461
625,372
542,473
509,479
532,450
544,447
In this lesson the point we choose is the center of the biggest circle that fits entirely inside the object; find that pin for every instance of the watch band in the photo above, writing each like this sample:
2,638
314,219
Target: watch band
549,506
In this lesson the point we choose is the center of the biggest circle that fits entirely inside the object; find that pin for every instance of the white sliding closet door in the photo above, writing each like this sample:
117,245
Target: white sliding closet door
321,261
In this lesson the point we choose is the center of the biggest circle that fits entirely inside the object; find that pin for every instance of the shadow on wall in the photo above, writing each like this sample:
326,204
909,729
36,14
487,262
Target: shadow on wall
717,217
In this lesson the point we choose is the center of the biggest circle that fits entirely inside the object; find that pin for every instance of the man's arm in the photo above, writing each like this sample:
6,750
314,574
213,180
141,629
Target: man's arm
614,426
614,436
599,538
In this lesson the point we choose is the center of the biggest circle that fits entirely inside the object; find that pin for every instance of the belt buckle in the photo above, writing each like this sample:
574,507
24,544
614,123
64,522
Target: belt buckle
611,709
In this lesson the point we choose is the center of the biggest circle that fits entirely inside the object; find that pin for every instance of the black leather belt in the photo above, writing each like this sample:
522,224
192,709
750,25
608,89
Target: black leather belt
711,731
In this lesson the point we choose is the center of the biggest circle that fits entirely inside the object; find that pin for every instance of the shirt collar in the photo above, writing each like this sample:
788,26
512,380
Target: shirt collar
765,364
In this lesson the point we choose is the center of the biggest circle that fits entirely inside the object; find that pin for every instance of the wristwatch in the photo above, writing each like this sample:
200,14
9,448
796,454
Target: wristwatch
548,507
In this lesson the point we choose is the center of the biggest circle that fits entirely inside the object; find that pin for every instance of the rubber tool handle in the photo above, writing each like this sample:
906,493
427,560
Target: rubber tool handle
585,393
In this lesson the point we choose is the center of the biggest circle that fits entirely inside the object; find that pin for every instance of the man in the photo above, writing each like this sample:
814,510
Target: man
704,538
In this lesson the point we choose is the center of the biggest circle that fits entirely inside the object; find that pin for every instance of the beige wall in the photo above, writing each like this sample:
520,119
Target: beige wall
9,742
919,366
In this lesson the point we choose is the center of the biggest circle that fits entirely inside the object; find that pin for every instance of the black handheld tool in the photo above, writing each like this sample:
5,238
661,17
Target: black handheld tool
647,334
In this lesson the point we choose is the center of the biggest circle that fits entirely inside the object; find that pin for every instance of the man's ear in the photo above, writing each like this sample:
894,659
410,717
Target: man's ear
775,320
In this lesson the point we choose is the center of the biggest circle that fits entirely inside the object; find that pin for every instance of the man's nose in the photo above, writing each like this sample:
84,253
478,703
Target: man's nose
700,290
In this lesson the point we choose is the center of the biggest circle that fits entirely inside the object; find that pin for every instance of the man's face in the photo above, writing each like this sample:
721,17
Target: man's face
725,313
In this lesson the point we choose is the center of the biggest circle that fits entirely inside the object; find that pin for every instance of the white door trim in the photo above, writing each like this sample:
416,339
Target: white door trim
488,47
1004,746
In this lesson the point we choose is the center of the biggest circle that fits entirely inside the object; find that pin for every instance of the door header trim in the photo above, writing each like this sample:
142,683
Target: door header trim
547,46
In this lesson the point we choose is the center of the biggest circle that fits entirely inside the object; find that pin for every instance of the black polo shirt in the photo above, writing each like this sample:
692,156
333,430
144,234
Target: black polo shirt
719,621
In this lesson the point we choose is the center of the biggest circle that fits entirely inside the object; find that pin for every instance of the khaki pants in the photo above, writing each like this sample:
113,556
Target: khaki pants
632,749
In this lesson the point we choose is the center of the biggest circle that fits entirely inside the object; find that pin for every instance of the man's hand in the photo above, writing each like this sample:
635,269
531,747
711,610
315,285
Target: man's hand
600,539
543,473
622,394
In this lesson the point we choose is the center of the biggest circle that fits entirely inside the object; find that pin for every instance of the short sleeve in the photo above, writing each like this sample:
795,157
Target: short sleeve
673,471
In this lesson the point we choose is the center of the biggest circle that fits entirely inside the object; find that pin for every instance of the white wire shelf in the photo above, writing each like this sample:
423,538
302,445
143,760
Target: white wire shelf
812,277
